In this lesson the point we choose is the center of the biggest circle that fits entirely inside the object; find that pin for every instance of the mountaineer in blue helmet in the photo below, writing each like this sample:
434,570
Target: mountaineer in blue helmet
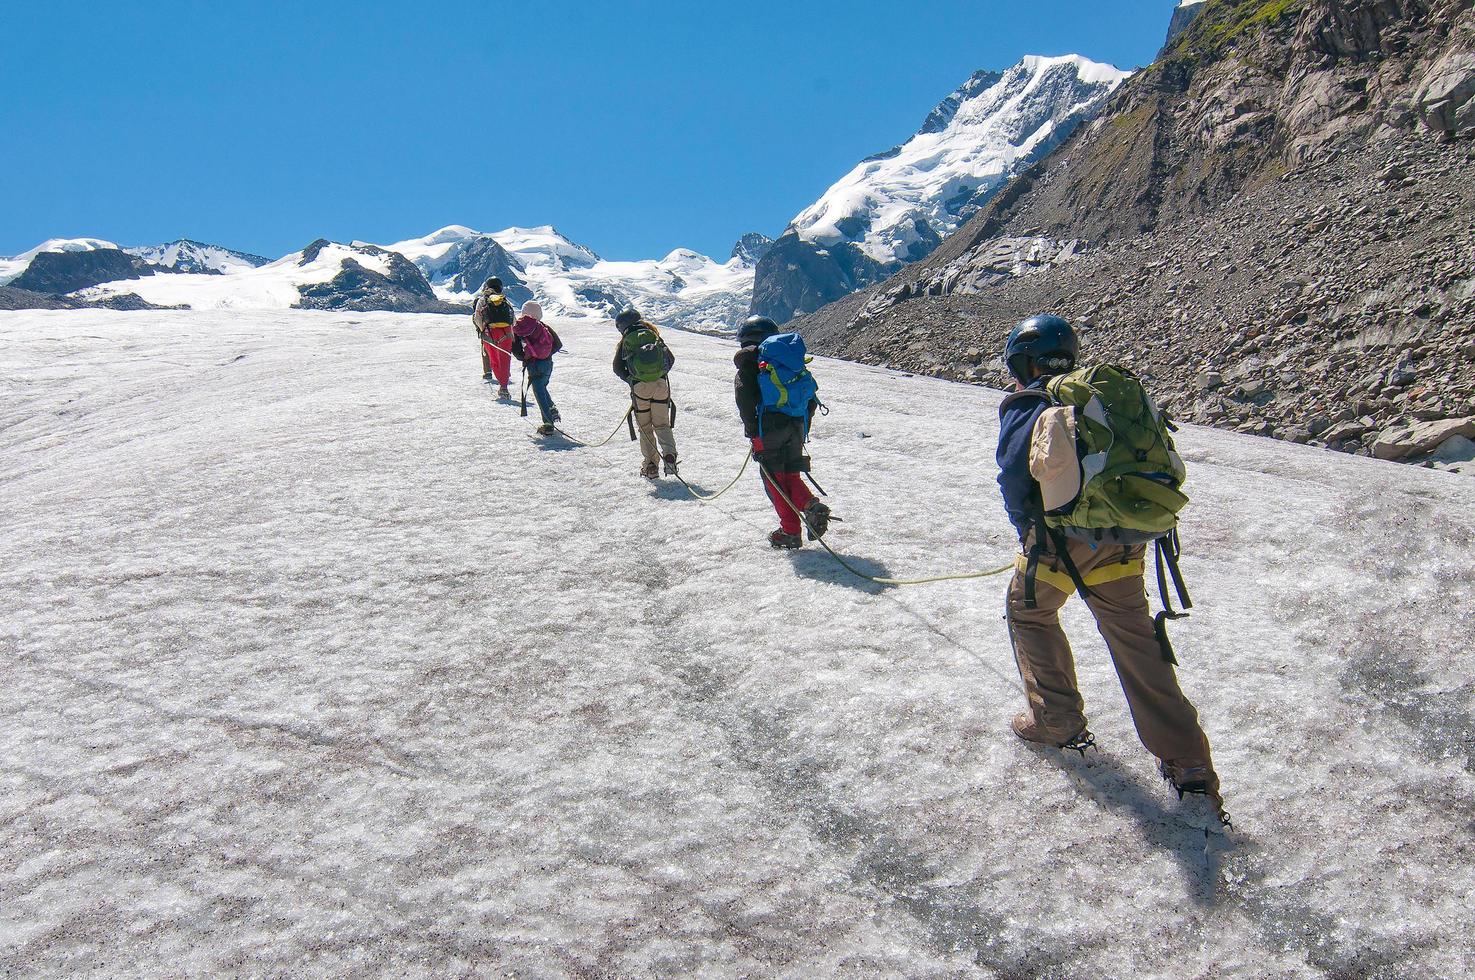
1089,478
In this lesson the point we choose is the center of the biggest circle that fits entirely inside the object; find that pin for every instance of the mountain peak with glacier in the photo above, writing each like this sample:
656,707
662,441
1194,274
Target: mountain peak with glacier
897,206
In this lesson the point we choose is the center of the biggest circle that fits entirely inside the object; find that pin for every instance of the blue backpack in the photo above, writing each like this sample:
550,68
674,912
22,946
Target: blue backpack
784,382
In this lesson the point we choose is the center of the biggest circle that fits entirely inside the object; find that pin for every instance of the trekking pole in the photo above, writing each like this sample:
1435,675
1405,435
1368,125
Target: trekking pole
524,393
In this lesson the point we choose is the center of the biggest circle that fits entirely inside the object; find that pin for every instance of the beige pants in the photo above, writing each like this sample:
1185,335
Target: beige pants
653,419
1166,722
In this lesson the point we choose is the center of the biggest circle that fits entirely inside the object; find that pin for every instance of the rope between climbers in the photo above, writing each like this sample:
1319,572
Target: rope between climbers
708,498
603,442
960,577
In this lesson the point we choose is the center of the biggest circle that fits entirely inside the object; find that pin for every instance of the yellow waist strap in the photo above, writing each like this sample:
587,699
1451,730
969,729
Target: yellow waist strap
1100,575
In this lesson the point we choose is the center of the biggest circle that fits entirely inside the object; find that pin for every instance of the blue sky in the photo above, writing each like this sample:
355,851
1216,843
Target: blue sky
635,127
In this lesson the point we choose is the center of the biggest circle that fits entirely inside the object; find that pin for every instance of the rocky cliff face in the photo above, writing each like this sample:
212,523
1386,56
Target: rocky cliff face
1271,223
751,248
402,288
56,273
480,259
896,207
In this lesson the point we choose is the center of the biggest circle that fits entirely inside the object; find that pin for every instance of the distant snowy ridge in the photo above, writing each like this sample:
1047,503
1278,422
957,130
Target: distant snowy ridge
186,255
896,207
684,289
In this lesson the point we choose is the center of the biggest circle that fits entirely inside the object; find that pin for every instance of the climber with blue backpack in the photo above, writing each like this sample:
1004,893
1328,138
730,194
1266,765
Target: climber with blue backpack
777,398
643,361
1090,478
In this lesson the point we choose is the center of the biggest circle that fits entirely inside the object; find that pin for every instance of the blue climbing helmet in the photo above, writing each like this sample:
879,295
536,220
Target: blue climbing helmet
1046,340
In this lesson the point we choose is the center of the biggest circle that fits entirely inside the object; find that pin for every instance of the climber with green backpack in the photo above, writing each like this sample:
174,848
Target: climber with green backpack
643,361
1090,478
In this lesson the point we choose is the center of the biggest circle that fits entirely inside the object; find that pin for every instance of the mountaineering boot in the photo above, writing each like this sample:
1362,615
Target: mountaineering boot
1025,727
503,393
650,469
489,376
817,519
1187,776
1198,780
784,540
546,429
670,460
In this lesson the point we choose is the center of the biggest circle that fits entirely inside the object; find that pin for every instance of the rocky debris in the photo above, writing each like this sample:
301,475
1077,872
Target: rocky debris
751,248
24,299
404,289
1316,285
1421,438
58,273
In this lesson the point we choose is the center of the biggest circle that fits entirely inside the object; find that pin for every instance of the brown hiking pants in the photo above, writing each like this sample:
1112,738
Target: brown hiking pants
653,418
1166,722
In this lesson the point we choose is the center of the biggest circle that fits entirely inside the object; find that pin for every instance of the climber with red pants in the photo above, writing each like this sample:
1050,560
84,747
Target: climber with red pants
777,398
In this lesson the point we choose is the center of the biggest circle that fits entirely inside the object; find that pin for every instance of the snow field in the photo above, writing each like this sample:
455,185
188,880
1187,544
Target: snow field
321,663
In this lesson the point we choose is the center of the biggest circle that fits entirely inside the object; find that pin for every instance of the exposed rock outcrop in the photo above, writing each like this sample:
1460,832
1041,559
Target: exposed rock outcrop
56,273
403,288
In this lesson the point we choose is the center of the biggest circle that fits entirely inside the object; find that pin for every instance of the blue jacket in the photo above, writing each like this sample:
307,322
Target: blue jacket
1017,415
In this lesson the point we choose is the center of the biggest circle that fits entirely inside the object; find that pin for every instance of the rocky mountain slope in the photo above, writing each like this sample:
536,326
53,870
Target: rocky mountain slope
1272,223
896,207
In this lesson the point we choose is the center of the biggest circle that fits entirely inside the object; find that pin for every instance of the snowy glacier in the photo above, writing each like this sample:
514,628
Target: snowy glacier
318,662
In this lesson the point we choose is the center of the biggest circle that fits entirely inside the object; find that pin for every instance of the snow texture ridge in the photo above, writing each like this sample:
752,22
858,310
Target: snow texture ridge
318,664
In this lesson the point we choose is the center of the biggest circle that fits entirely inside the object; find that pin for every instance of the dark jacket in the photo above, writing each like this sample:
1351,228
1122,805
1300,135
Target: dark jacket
622,369
1017,416
745,389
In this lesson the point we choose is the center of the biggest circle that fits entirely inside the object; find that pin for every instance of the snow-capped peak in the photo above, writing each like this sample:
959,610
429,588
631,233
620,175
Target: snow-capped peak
12,267
896,202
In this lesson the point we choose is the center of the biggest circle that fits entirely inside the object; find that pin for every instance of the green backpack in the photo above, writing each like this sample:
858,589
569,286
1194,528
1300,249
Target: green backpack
1131,475
645,353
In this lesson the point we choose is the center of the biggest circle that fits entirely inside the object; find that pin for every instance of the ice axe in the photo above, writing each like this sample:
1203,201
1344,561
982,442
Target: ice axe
524,393
630,417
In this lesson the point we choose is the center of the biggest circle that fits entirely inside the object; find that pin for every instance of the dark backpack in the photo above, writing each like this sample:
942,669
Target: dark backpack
644,353
499,311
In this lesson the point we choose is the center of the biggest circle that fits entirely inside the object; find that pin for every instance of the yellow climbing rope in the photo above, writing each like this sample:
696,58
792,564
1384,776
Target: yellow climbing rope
603,442
707,498
959,577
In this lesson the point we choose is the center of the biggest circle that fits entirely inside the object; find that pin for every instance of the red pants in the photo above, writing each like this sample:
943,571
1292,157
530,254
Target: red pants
792,484
497,355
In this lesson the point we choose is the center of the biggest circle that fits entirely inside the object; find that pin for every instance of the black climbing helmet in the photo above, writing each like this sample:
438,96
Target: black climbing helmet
755,330
627,319
493,285
1047,341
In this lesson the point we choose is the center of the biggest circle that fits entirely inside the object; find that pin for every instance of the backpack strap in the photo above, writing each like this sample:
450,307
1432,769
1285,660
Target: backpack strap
1168,551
